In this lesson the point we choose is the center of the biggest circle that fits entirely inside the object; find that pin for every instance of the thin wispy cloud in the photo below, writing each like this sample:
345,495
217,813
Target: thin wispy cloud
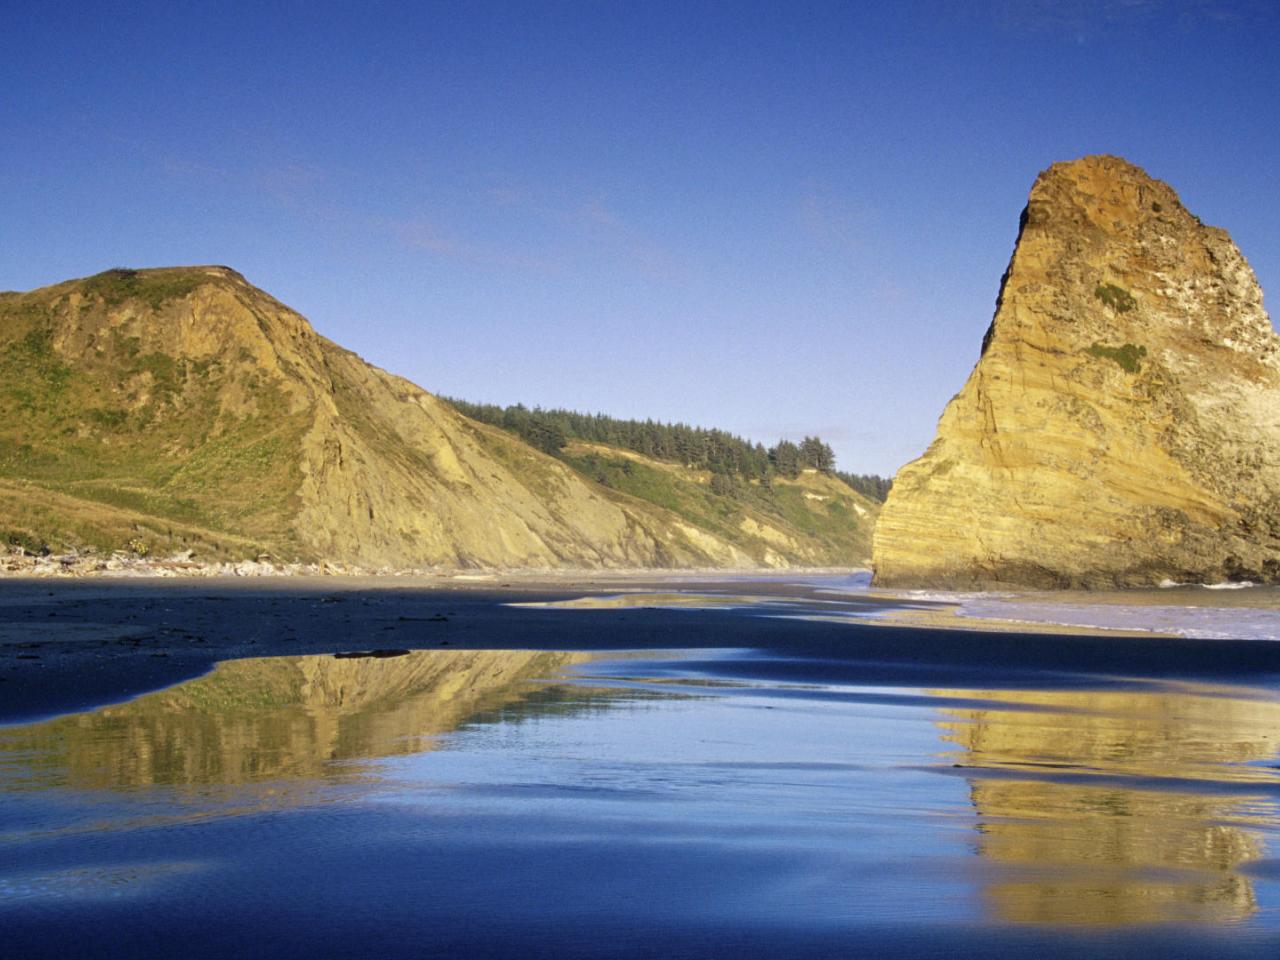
285,181
419,234
290,182
1090,19
594,211
592,222
314,193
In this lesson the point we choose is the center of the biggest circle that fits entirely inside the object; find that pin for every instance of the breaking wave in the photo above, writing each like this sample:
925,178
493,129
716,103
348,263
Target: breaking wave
1201,621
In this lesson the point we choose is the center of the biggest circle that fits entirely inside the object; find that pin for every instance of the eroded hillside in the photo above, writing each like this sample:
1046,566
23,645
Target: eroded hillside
183,408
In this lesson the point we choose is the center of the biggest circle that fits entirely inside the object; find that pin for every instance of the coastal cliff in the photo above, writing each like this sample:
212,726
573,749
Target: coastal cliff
1122,425
185,410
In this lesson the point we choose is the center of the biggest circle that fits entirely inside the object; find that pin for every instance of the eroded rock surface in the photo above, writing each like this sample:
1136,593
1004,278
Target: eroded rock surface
183,410
1122,426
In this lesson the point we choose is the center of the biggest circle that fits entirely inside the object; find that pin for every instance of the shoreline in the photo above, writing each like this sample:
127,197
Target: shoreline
121,565
70,643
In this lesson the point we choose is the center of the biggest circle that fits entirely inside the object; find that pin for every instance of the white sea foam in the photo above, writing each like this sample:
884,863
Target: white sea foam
952,596
1196,621
856,582
1225,585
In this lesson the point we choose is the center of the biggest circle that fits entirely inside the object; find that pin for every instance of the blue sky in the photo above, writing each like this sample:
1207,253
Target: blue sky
777,219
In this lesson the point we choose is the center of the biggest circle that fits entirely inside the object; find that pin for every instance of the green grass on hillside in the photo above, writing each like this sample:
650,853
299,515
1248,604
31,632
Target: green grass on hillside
108,441
138,432
154,288
831,526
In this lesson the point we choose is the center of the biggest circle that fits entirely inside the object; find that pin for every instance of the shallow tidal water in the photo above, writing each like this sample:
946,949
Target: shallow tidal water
460,803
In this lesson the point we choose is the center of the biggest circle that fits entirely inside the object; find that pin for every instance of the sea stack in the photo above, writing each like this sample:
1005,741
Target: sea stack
1122,425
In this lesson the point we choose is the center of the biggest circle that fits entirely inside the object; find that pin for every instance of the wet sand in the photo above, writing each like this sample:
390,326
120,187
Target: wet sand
73,644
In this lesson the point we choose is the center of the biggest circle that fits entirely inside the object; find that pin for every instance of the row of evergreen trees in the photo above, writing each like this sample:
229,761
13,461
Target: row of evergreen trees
870,485
720,452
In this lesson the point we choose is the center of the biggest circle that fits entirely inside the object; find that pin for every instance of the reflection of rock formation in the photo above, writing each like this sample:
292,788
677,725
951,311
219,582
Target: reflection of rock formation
1088,810
285,717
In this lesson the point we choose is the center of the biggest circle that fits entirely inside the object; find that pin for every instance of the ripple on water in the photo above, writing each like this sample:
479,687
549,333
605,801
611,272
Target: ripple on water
479,800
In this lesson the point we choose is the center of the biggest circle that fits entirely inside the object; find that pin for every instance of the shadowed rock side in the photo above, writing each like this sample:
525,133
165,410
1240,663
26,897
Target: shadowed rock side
290,718
1122,425
1118,808
185,408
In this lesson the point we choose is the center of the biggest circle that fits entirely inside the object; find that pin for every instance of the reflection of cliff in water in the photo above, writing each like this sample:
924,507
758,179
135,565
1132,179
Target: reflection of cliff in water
291,717
1118,807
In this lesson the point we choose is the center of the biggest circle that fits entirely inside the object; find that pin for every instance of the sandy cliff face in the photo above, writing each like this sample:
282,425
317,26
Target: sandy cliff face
1122,425
184,407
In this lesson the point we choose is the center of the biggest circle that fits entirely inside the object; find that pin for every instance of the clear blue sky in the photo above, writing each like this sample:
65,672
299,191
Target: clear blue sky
778,219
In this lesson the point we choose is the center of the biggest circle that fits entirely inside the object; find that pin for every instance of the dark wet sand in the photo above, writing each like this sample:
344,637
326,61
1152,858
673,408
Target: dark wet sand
69,645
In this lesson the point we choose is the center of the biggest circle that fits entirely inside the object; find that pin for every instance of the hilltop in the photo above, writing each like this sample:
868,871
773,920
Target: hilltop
183,409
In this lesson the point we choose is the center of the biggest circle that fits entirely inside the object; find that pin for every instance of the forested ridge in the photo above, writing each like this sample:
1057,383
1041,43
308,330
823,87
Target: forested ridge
718,451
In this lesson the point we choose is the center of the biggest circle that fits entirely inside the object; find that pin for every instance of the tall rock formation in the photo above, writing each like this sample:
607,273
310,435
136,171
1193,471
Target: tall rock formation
1122,426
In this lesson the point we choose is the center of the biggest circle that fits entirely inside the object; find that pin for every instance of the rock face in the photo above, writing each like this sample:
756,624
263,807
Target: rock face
1122,426
184,409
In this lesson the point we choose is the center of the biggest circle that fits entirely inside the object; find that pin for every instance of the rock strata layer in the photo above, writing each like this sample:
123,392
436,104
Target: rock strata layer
1122,425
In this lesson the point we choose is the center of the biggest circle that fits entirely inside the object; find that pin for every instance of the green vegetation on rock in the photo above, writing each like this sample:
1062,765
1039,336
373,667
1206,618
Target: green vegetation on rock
1129,356
152,287
1117,298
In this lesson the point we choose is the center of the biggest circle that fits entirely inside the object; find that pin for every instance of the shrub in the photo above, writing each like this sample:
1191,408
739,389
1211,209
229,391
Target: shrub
27,543
1127,356
1117,298
116,286
109,418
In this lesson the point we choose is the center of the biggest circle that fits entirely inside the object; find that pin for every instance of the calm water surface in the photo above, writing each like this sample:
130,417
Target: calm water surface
472,803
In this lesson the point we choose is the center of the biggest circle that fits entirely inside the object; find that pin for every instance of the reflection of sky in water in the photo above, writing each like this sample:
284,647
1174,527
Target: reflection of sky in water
457,798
